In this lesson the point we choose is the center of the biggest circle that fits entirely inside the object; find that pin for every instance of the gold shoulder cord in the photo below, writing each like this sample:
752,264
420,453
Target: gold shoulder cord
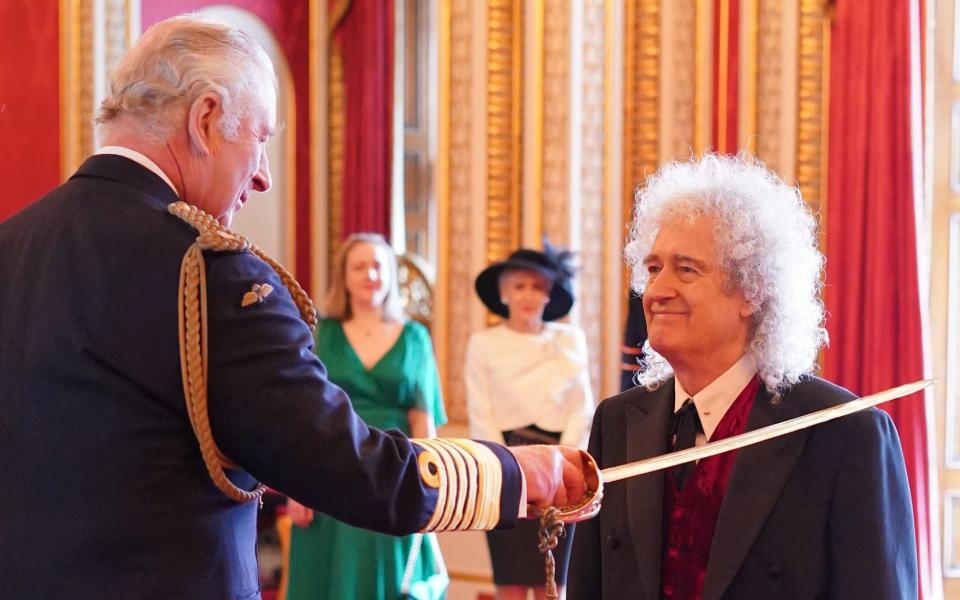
192,319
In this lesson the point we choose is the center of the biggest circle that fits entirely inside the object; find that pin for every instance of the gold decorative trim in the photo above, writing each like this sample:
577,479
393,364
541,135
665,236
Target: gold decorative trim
749,45
440,329
612,200
337,124
468,478
642,93
555,184
84,66
290,170
702,80
591,184
813,75
458,199
504,97
318,83
678,100
723,75
532,216
769,94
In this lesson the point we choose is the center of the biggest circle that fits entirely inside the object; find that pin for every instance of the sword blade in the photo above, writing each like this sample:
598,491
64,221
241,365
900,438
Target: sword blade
665,461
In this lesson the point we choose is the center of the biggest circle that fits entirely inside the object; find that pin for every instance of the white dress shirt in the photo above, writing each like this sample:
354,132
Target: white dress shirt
715,400
517,379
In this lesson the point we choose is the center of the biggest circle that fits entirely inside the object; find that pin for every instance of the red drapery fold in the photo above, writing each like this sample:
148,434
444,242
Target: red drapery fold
872,294
365,36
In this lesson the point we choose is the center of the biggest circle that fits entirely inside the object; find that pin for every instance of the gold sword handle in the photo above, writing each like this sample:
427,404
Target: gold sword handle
589,505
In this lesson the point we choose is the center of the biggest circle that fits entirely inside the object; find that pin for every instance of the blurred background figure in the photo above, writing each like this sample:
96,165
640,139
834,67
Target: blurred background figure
634,336
386,364
527,383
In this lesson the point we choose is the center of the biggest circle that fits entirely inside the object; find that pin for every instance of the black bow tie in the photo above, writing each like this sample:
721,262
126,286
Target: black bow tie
684,427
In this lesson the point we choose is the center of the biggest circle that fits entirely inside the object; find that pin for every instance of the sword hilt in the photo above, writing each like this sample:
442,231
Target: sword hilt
589,505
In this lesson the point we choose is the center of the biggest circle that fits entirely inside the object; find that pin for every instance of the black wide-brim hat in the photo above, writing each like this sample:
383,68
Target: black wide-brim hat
551,264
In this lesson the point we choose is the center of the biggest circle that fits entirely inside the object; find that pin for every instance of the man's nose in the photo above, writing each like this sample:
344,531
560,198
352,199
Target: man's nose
262,180
660,286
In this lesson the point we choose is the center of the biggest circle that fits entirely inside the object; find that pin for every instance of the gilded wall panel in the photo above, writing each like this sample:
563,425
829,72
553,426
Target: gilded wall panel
770,83
678,96
813,70
591,184
556,122
93,37
504,70
460,288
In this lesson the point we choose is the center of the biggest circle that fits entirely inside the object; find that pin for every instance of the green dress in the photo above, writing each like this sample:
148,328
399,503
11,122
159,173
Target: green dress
332,560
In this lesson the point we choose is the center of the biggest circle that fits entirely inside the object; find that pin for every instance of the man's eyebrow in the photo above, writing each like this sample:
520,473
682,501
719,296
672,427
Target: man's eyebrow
651,258
689,259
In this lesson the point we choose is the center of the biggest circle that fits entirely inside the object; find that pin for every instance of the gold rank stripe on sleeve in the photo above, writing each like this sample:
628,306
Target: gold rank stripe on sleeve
468,478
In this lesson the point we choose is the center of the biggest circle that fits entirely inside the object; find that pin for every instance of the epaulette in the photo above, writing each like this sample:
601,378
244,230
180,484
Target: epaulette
192,318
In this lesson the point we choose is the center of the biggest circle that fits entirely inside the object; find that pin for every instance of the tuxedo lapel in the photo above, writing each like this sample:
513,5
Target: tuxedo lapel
759,474
646,422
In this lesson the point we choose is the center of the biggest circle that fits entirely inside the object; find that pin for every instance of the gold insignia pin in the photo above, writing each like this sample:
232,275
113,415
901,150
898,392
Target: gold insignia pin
257,293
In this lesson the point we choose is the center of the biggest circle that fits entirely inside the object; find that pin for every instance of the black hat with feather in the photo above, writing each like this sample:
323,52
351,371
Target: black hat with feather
552,263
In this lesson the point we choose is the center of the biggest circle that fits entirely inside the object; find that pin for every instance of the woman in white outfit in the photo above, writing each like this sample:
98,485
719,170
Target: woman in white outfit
527,382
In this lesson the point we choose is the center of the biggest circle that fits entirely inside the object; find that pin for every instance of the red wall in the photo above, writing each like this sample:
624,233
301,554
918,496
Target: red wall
29,101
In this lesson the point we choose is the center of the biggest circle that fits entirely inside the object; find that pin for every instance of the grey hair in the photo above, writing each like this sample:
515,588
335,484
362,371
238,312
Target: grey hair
766,239
177,61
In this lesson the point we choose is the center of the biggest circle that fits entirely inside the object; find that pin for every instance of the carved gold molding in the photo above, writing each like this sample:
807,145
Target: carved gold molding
747,79
93,37
678,99
770,83
440,329
504,105
591,184
642,91
456,263
555,190
812,99
335,136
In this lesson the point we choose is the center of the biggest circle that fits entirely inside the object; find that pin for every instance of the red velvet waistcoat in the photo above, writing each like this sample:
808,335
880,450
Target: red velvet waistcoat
690,514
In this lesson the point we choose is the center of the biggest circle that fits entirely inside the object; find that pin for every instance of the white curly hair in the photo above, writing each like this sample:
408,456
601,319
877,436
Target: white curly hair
766,238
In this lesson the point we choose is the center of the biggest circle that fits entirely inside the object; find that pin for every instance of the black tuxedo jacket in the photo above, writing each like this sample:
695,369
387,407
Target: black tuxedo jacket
105,494
820,513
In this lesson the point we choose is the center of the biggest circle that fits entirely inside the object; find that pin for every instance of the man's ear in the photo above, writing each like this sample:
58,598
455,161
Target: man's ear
202,118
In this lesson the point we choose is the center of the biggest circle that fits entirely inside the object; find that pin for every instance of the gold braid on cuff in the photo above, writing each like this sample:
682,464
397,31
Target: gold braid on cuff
192,318
468,478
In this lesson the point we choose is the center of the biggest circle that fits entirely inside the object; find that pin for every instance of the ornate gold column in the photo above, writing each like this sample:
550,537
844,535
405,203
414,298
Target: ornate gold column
337,121
555,194
93,37
504,108
812,102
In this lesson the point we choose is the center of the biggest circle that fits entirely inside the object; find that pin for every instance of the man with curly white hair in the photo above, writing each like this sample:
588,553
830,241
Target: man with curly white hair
725,255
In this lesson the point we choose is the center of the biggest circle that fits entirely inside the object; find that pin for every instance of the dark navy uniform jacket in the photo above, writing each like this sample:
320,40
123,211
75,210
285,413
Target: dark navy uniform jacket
104,492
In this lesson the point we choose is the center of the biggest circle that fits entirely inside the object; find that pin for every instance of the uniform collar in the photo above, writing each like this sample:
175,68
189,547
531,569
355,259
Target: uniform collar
140,159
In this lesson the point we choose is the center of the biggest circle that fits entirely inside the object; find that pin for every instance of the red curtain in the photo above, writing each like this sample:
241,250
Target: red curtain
872,292
29,101
365,36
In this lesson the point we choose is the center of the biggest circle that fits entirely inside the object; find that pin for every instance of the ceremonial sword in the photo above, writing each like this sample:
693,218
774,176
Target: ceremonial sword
590,505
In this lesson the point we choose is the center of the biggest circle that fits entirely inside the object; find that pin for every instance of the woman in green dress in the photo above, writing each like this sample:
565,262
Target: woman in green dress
386,365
